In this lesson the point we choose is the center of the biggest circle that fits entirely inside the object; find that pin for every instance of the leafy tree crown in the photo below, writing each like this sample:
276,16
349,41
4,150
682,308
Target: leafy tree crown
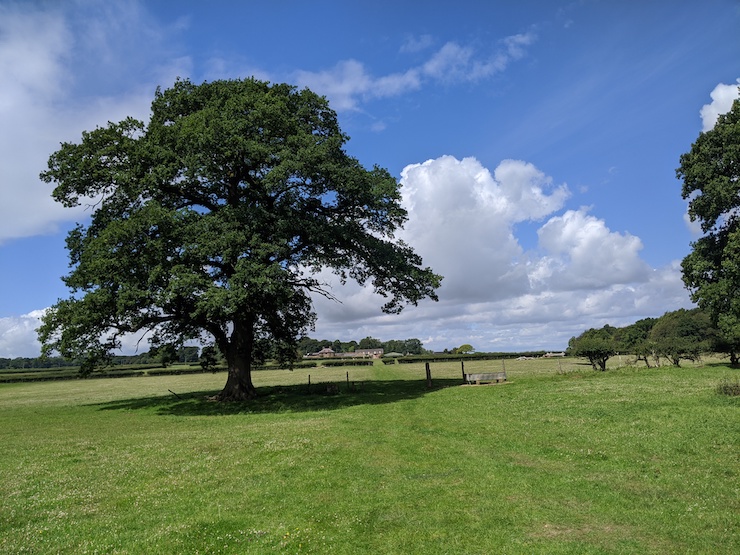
217,216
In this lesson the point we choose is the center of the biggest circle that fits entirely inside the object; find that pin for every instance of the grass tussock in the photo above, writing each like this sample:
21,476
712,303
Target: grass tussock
729,387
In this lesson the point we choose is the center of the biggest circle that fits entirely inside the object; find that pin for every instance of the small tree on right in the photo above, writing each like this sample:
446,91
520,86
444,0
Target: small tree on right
464,349
711,183
683,335
635,339
597,345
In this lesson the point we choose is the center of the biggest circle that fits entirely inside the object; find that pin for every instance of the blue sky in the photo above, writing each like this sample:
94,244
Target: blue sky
536,141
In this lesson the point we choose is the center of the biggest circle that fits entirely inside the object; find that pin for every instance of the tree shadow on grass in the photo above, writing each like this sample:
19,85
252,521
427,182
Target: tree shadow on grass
721,364
285,398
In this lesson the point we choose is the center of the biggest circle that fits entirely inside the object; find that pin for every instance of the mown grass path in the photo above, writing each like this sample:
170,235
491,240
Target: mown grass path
560,460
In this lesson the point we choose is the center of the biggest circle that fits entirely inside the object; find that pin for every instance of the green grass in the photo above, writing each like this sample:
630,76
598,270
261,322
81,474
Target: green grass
12,375
561,459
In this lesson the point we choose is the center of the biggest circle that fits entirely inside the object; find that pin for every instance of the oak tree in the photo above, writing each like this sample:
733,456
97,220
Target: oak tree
212,221
711,183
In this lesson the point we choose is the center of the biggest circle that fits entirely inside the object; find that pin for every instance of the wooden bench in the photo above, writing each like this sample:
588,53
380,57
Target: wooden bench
485,377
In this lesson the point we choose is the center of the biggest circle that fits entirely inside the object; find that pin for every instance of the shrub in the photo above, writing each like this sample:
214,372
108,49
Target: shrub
729,387
347,362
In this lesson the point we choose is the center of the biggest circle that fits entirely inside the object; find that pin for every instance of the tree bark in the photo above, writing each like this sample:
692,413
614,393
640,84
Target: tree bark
238,354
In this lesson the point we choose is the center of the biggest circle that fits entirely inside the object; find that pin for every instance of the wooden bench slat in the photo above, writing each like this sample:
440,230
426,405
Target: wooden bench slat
486,377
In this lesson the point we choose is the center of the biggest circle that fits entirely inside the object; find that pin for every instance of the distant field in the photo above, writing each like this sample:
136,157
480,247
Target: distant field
12,375
561,459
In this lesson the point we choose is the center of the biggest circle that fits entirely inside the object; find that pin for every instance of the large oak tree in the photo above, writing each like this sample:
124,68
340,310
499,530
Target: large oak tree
711,182
213,221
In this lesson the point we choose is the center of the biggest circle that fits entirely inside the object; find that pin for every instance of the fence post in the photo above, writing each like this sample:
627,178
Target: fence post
462,367
429,376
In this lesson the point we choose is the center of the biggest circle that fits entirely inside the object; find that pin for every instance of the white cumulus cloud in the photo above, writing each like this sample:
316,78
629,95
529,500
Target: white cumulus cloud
722,98
18,335
584,253
44,98
462,220
496,294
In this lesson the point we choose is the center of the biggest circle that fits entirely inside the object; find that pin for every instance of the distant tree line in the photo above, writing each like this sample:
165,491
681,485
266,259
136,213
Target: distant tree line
679,335
308,345
464,349
34,362
164,356
209,357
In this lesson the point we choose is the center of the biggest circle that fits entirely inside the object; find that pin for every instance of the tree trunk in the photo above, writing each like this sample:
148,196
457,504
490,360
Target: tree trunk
645,359
238,354
239,385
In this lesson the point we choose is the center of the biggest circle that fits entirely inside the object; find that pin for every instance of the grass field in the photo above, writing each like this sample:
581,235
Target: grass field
561,459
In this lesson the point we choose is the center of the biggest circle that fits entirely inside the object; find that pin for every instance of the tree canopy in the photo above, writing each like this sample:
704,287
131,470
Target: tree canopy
597,345
677,335
682,334
635,339
464,349
711,183
212,221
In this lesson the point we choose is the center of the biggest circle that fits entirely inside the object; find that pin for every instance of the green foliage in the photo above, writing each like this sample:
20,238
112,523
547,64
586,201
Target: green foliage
597,345
166,354
635,339
464,349
370,343
214,218
447,356
307,345
35,362
678,335
682,334
405,347
711,183
188,354
346,362
209,357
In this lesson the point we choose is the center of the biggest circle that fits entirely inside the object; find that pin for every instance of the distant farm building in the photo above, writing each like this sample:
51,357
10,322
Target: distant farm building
367,353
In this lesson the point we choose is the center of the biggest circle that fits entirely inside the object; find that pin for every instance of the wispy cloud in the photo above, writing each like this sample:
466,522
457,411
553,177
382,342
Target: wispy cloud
414,44
349,83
